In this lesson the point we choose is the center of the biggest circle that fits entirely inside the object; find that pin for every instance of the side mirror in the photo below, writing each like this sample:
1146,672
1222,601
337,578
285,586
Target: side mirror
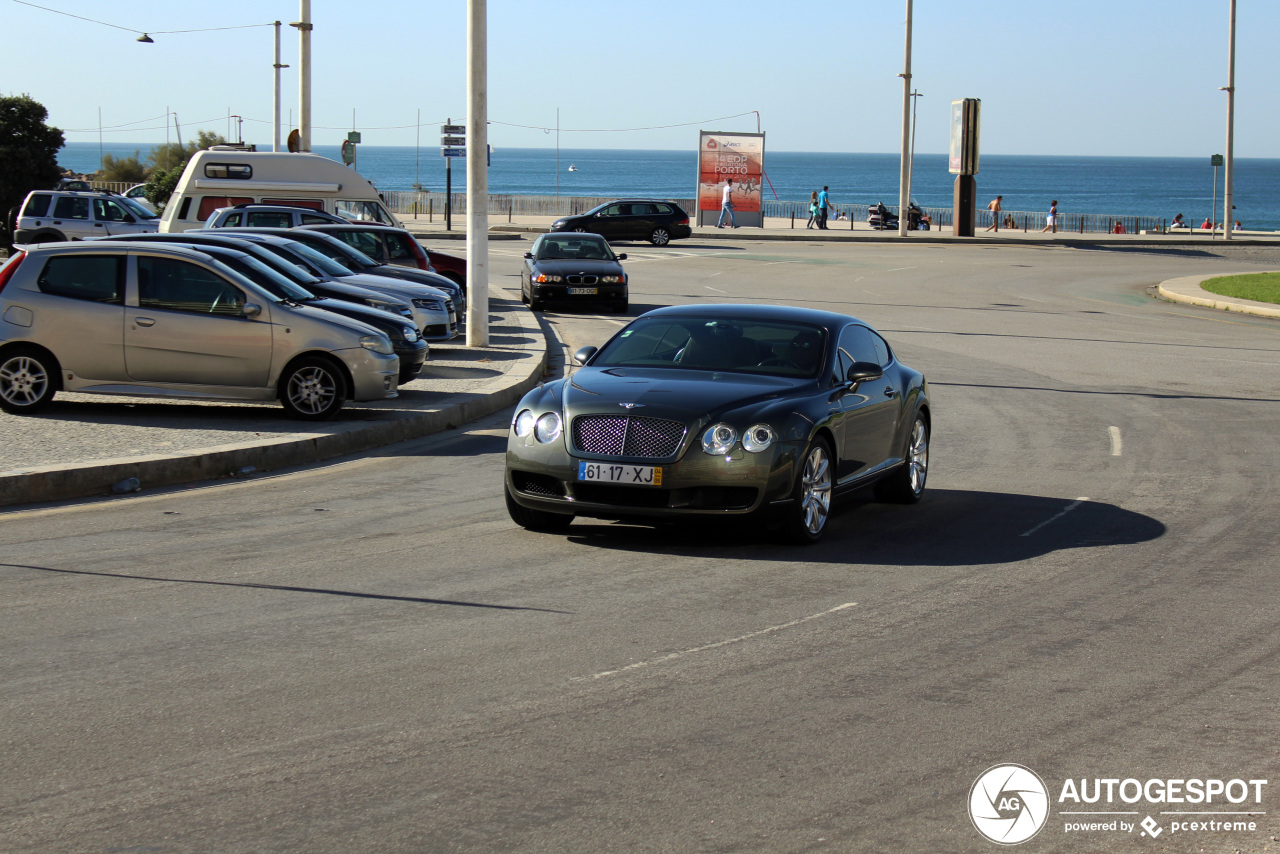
584,355
528,254
622,257
251,310
129,218
860,372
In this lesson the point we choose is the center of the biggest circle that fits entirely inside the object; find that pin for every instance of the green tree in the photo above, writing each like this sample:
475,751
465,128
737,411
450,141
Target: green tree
167,162
126,170
28,150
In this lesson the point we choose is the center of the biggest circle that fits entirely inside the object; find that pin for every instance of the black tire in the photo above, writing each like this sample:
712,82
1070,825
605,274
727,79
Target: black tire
312,389
524,297
810,508
906,484
535,520
48,237
660,236
535,304
28,380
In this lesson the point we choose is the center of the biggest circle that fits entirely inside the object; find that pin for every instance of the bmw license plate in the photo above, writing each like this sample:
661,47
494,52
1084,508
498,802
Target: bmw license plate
585,292
624,474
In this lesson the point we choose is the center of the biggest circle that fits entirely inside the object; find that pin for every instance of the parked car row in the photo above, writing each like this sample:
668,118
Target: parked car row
173,320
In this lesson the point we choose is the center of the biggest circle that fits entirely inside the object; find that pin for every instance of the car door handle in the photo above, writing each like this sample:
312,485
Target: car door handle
890,391
144,321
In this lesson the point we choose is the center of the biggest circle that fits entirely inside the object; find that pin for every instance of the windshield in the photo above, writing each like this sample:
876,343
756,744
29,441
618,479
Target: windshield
577,246
319,260
363,211
342,254
265,277
737,345
134,208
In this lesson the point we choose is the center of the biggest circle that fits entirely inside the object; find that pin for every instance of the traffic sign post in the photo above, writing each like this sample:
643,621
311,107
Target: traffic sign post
453,141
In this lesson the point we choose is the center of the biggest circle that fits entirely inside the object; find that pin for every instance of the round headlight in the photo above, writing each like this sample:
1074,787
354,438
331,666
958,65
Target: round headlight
548,428
410,334
719,439
524,424
757,438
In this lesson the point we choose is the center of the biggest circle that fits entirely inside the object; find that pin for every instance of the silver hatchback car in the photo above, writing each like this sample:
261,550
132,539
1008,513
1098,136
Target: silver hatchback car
169,321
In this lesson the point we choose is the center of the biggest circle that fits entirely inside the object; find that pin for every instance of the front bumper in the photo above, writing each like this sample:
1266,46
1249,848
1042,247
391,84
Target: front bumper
560,293
373,375
412,358
545,477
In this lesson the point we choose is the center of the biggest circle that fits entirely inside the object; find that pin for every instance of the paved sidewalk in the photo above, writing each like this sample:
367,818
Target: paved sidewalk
83,444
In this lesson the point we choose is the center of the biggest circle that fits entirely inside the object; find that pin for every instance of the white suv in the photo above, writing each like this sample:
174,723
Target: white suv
52,215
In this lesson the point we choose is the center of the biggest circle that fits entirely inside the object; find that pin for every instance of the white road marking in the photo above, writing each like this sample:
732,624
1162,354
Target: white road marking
896,269
717,290
664,659
1072,506
1115,441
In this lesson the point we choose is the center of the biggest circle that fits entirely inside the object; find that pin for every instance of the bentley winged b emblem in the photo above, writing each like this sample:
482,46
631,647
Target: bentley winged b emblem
631,405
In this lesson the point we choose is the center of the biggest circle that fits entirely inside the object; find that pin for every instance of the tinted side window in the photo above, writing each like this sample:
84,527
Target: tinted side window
883,354
181,286
96,278
71,207
232,220
37,205
263,219
856,341
663,209
616,210
398,247
105,210
312,219
367,243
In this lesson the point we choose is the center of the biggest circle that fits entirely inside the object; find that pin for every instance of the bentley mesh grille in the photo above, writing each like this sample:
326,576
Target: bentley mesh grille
627,436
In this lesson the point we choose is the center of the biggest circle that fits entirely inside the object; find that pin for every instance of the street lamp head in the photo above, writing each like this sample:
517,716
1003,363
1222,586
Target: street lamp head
146,39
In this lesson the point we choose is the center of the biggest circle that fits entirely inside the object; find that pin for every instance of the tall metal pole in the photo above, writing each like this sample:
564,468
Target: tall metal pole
304,76
904,178
1227,208
477,175
275,130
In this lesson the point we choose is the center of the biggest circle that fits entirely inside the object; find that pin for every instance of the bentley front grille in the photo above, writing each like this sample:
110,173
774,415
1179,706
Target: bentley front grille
627,436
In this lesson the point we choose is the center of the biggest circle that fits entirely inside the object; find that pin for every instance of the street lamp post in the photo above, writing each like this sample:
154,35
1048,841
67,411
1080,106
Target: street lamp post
904,182
911,161
1227,207
304,75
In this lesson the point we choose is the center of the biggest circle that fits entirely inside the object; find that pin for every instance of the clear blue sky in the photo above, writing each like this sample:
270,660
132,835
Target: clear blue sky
1087,77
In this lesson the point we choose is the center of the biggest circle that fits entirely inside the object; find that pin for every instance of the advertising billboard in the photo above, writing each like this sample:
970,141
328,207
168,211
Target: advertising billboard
963,158
730,156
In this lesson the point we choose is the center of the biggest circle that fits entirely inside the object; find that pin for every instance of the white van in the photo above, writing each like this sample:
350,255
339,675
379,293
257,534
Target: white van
220,177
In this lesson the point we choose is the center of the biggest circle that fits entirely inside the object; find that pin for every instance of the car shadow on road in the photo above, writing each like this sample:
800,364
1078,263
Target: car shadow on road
949,527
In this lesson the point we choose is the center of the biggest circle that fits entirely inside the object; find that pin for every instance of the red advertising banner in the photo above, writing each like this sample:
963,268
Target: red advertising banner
730,156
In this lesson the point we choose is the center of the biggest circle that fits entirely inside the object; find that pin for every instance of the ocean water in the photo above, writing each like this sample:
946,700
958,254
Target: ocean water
1111,186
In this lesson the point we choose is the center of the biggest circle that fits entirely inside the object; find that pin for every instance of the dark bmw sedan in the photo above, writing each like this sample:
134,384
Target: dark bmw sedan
573,268
750,411
656,221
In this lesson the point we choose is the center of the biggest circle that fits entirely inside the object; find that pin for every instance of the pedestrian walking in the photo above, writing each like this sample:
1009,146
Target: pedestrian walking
994,207
726,205
1051,224
824,203
813,209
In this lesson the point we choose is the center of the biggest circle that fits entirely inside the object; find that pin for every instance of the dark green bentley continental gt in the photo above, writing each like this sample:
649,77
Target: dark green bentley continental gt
722,411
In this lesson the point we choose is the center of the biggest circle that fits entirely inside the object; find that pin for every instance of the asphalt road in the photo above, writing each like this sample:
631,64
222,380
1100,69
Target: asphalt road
369,656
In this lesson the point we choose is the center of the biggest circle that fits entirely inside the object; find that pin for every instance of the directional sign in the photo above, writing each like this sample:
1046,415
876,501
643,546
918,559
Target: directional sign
452,141
453,152
353,136
454,130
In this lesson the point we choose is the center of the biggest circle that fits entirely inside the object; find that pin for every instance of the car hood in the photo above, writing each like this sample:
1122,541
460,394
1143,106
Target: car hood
569,266
396,287
680,395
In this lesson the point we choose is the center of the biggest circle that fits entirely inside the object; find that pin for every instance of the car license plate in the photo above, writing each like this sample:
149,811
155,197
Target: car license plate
586,292
624,474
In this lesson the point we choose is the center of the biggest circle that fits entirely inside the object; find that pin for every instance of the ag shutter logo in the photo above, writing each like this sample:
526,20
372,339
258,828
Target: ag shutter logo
1008,804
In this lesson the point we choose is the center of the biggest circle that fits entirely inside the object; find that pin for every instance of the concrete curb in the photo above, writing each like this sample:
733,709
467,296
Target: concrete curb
1188,291
79,480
